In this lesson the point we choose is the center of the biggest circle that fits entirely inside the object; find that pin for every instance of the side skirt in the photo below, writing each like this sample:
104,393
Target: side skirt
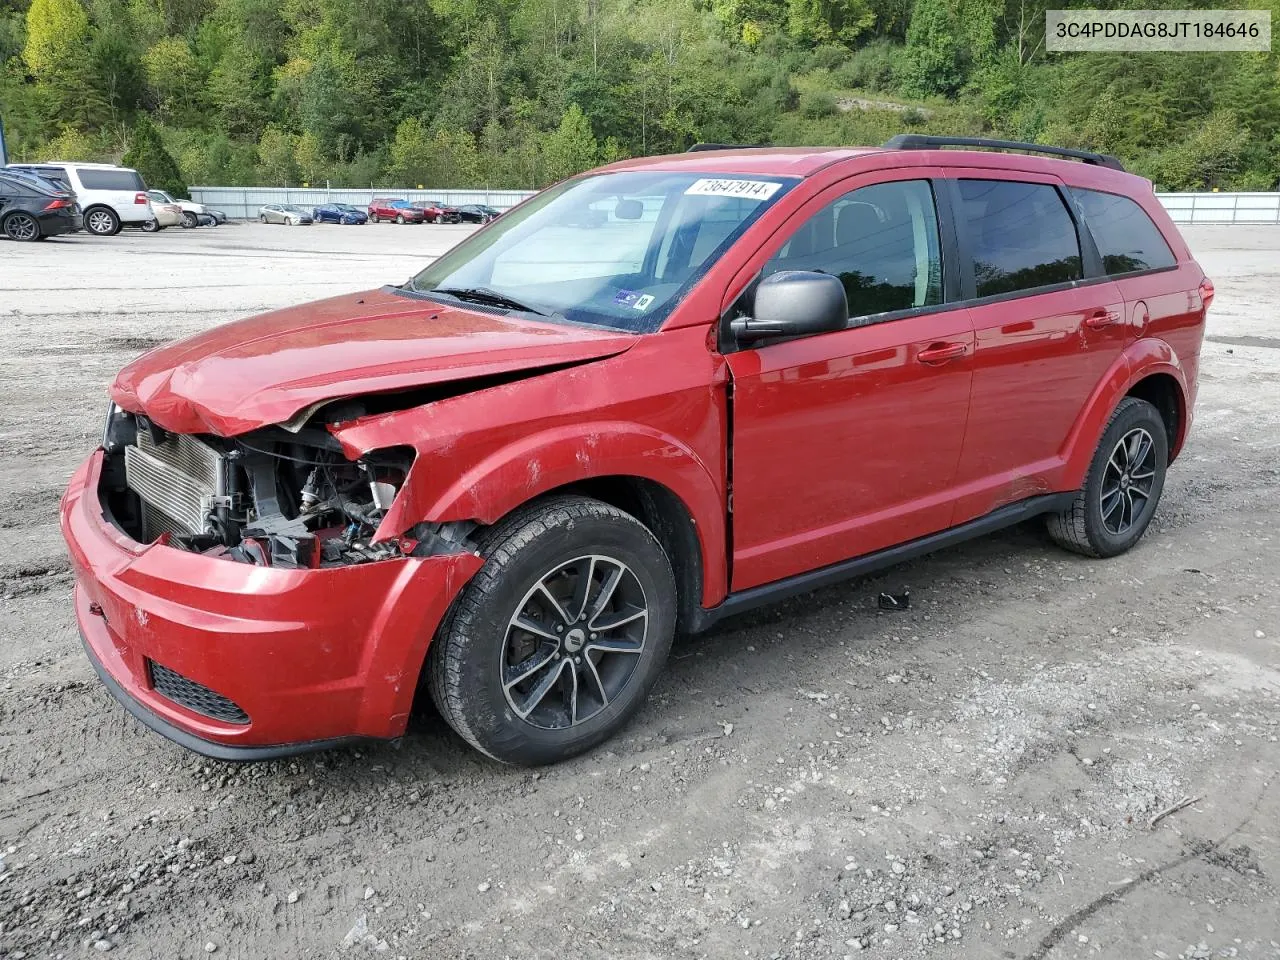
1006,516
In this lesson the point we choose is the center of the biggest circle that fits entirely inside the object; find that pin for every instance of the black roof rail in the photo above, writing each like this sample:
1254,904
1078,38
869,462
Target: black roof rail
703,147
915,141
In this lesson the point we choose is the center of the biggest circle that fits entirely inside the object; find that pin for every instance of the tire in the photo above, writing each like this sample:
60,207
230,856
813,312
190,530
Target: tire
21,226
189,220
151,226
1124,483
399,218
262,218
373,218
101,221
557,542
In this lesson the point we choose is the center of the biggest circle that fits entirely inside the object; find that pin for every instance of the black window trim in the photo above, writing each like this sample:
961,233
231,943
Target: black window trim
1090,260
1084,222
948,253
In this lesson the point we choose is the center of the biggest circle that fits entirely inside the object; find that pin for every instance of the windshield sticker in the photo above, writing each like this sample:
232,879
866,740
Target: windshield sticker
642,303
626,298
744,189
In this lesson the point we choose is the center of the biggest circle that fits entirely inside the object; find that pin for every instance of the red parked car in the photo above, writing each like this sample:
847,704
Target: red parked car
512,479
397,211
437,211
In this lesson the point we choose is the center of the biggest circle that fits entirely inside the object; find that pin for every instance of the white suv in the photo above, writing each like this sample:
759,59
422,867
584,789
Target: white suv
111,197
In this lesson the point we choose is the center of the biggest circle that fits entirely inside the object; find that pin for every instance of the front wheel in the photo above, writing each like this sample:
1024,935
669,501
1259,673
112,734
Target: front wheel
557,640
399,218
190,220
1121,492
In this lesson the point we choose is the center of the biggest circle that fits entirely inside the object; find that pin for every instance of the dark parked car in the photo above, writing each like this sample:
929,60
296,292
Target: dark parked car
477,213
399,211
339,213
511,479
32,208
437,211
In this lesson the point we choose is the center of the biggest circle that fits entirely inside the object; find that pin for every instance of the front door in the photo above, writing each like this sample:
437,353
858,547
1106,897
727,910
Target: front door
847,442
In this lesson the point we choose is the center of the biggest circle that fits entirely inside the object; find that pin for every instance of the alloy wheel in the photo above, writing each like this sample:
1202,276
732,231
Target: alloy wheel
574,642
100,222
1127,481
20,226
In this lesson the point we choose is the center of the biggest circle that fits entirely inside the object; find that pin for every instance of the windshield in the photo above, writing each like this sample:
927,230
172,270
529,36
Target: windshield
614,250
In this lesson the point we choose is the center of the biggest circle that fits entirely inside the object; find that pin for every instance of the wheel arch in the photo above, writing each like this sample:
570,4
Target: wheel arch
1147,369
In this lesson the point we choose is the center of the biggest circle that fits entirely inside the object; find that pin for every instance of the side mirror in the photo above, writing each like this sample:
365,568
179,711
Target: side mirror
794,303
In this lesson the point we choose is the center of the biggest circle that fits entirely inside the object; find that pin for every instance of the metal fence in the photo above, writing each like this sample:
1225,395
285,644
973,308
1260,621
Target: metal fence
1222,207
242,203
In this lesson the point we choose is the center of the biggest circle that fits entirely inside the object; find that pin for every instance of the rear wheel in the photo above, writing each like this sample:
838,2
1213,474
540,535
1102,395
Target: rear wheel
1123,487
399,218
373,218
101,221
151,226
555,643
262,217
21,227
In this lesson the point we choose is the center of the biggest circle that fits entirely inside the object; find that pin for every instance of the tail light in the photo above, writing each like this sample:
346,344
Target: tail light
139,198
1206,292
58,204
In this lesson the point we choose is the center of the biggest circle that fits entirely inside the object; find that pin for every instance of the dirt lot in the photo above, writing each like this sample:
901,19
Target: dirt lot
972,778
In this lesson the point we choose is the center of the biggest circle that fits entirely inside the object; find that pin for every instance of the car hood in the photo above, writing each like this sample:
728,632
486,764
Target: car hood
270,368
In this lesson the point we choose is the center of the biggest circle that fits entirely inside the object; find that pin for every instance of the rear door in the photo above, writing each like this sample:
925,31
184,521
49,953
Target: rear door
847,442
1048,325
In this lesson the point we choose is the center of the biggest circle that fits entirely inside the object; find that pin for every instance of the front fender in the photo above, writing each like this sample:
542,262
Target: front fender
1139,360
656,412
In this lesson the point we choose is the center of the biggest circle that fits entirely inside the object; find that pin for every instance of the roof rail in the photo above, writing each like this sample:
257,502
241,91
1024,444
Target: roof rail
703,147
913,141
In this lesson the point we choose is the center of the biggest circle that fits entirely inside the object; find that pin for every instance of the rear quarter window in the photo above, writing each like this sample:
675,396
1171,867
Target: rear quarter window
111,180
1126,237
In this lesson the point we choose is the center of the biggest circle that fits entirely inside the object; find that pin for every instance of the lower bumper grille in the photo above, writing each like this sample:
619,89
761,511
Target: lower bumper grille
194,696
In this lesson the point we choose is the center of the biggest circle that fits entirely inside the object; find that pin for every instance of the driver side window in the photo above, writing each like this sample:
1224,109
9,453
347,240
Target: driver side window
881,241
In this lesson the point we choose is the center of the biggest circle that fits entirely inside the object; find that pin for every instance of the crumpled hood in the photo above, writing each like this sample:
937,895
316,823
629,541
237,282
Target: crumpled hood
265,369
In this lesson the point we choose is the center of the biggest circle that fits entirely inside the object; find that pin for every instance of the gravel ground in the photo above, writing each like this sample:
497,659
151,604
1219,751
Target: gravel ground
975,777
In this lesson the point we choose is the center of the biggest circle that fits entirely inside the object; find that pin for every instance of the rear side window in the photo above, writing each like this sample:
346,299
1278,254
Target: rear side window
54,175
1125,235
1020,236
110,179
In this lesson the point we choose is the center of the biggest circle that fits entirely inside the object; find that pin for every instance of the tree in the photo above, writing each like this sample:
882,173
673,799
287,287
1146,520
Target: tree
934,60
57,33
276,157
410,153
173,76
147,155
570,148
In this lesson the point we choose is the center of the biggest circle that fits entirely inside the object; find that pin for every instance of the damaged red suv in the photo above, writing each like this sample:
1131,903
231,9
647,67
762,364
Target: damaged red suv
653,395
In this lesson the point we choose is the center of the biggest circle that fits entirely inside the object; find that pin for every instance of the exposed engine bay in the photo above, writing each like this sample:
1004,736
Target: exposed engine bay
272,497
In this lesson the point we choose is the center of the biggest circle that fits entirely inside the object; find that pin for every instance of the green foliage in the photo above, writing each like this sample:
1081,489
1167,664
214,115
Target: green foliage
147,155
519,93
57,31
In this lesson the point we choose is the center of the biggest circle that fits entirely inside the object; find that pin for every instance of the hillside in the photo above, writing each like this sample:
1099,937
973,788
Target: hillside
518,93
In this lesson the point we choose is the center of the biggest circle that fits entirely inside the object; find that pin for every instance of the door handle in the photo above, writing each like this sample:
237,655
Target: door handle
941,352
1101,318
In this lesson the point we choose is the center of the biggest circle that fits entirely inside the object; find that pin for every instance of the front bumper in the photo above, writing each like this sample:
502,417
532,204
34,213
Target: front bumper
313,657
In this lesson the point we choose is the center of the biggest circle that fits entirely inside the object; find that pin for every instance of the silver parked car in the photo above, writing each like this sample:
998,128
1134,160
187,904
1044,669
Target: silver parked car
283,213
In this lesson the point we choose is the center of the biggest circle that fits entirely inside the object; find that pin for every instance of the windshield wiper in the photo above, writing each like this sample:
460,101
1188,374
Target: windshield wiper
485,295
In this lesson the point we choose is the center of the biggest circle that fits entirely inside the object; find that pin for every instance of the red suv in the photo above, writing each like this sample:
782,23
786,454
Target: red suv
398,211
651,396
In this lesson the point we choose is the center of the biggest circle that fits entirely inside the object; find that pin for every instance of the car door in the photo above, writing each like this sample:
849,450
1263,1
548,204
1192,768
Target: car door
1047,324
847,442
